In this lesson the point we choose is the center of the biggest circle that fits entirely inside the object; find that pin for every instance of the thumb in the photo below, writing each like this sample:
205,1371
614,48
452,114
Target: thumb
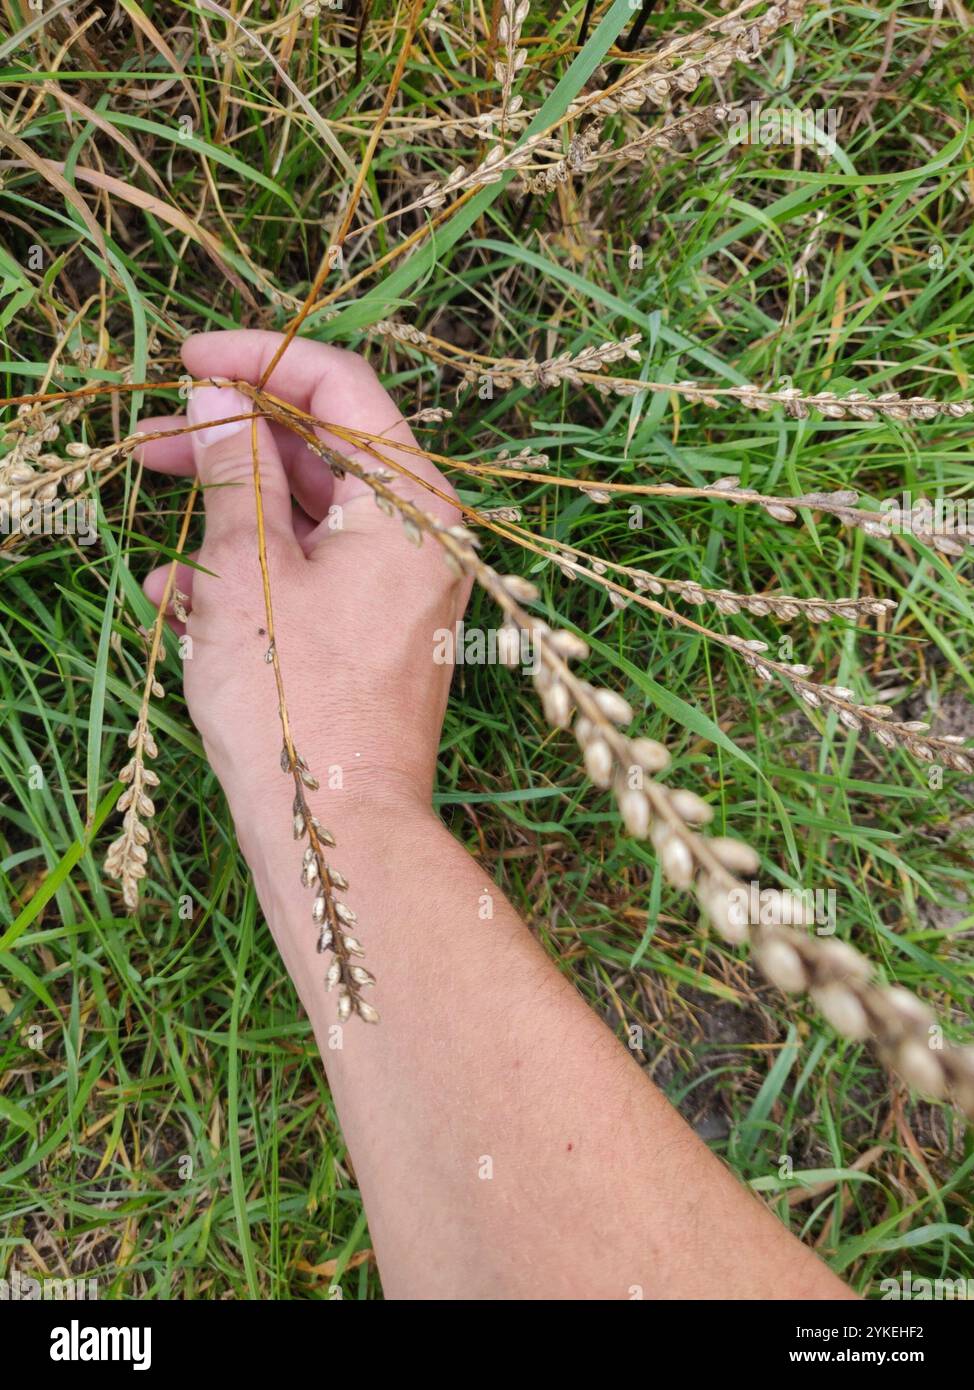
223,454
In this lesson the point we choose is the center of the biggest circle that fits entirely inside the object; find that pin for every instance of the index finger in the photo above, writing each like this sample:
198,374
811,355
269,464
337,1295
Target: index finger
327,382
245,354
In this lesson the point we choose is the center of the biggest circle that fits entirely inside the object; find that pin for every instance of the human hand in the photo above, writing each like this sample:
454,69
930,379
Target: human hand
355,603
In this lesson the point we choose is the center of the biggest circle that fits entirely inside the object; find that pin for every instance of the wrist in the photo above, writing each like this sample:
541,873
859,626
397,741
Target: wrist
378,841
352,796
369,820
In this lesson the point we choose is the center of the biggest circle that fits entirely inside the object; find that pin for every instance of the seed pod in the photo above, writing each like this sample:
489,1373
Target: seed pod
584,729
366,1012
734,855
649,754
463,534
613,706
598,762
557,705
692,807
568,645
782,965
635,812
522,590
845,961
917,1064
780,513
843,1010
727,914
677,862
907,1006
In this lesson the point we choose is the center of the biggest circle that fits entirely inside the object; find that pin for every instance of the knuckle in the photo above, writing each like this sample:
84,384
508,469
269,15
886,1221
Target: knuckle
232,556
230,470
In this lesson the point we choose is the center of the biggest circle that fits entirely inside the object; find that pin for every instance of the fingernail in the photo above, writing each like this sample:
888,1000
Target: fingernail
216,403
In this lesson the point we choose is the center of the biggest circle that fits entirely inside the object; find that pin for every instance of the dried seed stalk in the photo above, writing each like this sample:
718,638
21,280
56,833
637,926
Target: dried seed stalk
126,857
876,719
680,66
920,521
587,150
574,368
783,607
30,473
585,369
334,918
513,15
853,405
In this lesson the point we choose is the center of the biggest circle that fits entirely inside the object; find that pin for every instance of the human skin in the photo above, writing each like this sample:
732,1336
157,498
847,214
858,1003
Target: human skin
506,1144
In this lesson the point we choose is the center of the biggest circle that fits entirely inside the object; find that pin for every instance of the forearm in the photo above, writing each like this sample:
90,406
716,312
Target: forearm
505,1143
